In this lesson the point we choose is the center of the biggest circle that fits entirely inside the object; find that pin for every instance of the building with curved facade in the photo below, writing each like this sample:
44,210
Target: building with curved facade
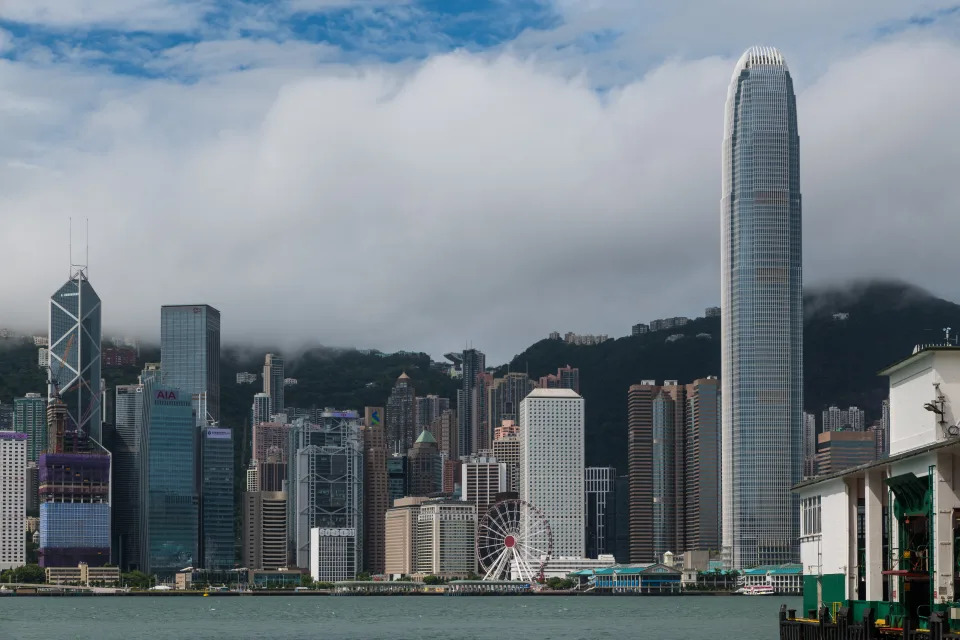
762,313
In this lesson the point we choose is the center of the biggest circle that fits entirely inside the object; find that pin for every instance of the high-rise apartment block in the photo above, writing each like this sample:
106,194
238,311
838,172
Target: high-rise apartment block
401,416
190,355
506,449
75,336
474,363
446,537
836,419
673,454
761,313
482,478
260,412
444,429
504,396
551,464
600,497
13,493
376,496
30,417
428,410
273,382
701,461
325,495
217,535
566,378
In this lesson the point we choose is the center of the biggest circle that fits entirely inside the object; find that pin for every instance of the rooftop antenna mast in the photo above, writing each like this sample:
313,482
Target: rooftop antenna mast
83,268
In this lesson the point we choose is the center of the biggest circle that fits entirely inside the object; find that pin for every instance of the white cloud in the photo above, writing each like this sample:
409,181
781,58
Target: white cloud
148,15
214,57
489,198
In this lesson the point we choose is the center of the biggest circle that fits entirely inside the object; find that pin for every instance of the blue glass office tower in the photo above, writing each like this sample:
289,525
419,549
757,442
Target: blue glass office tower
171,513
74,335
190,354
215,482
762,313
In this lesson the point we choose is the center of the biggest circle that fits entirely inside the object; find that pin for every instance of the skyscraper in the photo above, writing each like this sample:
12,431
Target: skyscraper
674,467
216,536
155,498
376,498
474,362
264,529
325,495
701,471
600,484
261,409
190,354
273,382
75,335
401,416
429,408
424,467
504,396
30,417
169,515
566,378
551,464
482,478
655,431
128,446
13,493
762,313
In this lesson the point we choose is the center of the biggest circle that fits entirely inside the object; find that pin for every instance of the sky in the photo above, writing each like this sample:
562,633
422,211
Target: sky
430,174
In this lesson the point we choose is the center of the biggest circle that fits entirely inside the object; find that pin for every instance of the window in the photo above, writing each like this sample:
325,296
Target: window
810,510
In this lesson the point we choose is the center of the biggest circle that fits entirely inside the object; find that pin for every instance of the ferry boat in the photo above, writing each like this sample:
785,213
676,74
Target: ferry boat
757,590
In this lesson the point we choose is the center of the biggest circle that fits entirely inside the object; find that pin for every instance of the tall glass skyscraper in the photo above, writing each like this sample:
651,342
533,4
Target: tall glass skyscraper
170,514
762,313
190,353
74,335
215,474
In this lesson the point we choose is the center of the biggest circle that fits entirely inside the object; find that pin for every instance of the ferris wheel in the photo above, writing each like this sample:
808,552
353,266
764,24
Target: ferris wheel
513,537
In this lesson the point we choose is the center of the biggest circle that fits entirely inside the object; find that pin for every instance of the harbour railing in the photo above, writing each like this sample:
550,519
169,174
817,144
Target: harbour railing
843,626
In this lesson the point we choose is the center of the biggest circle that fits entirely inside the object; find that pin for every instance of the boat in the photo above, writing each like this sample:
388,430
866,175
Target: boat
757,590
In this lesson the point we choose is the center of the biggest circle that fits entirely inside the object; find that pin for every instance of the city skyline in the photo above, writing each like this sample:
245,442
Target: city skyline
630,113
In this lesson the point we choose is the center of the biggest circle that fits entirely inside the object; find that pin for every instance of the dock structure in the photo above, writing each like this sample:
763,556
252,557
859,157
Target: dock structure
884,537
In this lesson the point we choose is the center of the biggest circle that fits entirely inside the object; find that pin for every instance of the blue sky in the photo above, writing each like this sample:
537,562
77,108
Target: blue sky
386,31
417,174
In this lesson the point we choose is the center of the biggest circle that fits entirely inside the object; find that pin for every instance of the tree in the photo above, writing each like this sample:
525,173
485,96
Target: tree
363,576
432,580
306,580
556,583
137,580
27,574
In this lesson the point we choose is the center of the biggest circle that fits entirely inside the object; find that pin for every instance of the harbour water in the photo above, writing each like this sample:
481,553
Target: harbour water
396,618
